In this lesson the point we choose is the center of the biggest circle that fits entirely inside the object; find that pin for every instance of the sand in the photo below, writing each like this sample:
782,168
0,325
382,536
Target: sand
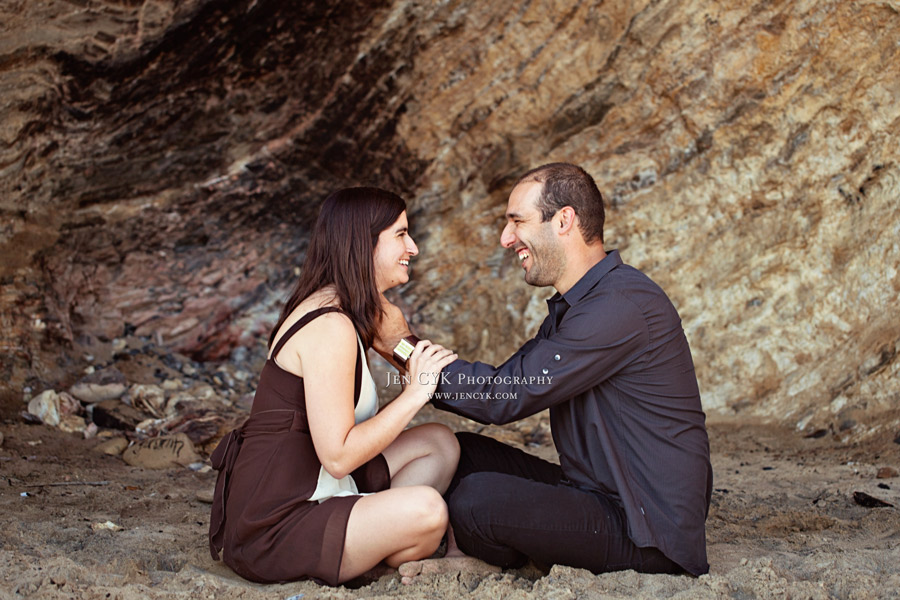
783,524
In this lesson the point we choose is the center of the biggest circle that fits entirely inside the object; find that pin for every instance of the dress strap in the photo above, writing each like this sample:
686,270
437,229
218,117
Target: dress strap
304,320
357,383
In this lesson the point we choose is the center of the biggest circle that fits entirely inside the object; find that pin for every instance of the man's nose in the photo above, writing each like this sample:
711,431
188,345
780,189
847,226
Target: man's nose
508,238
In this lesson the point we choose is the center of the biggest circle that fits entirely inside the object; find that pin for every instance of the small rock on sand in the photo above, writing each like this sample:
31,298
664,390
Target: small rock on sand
113,447
106,384
162,452
886,473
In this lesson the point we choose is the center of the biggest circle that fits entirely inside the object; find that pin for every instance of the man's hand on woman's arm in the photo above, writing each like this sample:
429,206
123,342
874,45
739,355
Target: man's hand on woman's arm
391,329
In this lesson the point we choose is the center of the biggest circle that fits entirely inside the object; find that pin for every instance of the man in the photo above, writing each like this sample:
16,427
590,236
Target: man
612,364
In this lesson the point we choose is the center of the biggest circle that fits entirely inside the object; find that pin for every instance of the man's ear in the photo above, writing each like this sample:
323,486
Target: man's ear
565,220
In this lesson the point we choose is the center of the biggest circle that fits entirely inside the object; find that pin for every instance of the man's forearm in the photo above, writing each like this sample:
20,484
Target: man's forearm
392,327
490,394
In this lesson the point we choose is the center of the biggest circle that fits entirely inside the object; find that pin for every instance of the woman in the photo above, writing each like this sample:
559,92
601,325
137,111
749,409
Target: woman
317,483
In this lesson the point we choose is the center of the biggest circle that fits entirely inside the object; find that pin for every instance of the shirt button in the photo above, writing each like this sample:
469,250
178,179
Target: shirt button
545,371
556,357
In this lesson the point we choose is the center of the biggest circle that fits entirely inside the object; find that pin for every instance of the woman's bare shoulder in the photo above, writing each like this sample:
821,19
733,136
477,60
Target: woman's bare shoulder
334,328
332,323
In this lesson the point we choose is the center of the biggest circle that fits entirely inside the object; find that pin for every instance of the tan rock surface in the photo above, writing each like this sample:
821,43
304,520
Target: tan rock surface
750,158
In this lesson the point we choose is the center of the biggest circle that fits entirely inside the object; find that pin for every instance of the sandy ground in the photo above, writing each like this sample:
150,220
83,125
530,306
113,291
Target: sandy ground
783,524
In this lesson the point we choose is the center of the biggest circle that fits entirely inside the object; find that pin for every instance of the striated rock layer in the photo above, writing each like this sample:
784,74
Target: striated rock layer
161,164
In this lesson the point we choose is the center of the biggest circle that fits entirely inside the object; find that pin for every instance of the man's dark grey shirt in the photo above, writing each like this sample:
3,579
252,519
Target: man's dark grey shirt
624,404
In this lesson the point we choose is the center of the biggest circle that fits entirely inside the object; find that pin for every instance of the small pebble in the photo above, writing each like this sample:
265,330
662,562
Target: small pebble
171,385
112,447
864,499
107,525
886,473
91,431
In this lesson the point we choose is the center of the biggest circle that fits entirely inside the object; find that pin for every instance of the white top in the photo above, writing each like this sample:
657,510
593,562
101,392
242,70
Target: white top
366,408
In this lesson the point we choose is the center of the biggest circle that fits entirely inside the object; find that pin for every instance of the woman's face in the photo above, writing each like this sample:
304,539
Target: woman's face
392,254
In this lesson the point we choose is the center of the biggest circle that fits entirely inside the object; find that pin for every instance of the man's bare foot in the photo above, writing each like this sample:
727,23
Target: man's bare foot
453,550
449,564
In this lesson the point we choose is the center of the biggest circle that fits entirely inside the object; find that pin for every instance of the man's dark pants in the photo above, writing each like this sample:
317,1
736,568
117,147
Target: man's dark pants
507,506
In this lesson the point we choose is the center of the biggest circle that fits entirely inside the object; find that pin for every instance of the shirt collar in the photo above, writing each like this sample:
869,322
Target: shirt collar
589,279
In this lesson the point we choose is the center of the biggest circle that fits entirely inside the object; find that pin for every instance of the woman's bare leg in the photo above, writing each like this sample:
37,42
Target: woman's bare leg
455,561
428,455
396,525
423,455
407,522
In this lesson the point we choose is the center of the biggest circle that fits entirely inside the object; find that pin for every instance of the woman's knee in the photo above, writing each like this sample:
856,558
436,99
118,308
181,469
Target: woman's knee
426,509
441,439
449,446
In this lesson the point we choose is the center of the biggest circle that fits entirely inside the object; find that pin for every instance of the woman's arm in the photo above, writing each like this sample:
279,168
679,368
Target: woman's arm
327,355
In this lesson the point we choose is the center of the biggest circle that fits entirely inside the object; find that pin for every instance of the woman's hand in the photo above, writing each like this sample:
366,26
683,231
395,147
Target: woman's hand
425,364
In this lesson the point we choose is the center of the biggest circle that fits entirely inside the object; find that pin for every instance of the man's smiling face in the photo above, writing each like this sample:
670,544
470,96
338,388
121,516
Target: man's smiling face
534,242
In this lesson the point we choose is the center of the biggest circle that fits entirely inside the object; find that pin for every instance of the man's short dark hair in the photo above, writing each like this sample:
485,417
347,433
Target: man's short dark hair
565,184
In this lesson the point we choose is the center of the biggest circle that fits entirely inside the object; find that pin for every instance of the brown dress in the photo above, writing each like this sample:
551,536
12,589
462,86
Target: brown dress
262,521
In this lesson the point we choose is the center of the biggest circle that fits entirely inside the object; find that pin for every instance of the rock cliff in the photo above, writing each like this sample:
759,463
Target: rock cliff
161,164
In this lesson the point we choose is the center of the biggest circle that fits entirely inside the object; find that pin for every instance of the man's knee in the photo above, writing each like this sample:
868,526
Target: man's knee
477,451
471,500
477,507
470,439
466,439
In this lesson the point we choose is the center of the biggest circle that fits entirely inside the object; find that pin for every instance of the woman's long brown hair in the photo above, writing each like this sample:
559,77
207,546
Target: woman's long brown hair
341,253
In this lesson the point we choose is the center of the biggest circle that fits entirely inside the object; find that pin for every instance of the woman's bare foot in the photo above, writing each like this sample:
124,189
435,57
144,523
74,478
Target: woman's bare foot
459,563
370,576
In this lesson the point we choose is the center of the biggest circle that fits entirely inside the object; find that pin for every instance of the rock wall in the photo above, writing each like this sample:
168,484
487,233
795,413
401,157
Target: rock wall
161,164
